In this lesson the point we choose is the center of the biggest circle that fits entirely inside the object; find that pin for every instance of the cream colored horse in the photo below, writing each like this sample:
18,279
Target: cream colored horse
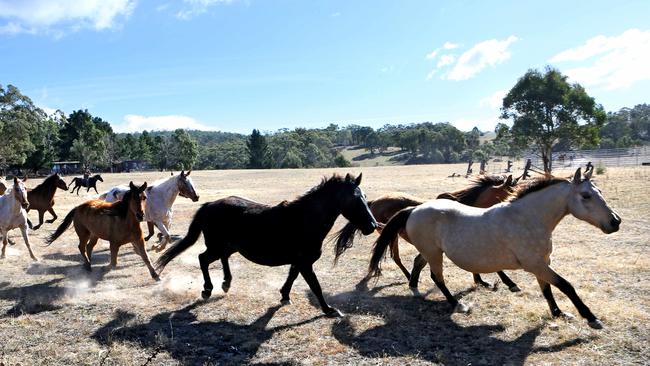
13,215
511,235
160,199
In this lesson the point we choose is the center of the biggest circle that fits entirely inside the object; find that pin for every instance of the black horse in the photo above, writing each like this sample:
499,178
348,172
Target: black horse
88,183
288,233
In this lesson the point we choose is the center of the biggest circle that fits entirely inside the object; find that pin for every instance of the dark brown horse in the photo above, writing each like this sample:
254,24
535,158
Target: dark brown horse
485,191
288,233
118,222
41,198
89,183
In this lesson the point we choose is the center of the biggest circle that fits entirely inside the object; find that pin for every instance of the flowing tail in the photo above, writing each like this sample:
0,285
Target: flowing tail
388,234
63,227
196,226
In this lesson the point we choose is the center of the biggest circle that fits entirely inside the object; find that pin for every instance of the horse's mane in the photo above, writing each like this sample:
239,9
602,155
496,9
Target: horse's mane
118,208
324,185
49,182
535,185
470,194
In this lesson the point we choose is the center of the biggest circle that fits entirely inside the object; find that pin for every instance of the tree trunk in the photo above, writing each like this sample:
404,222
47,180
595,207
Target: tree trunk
547,159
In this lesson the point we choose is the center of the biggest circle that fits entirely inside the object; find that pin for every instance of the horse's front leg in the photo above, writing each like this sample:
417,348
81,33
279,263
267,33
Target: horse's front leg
54,216
545,273
286,288
4,244
166,237
95,188
41,215
139,248
23,229
150,229
307,272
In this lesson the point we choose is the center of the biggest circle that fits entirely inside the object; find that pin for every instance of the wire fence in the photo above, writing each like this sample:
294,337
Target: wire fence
619,157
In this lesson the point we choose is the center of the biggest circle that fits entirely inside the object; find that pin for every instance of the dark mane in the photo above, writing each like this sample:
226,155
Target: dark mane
48,183
534,186
469,195
323,186
119,208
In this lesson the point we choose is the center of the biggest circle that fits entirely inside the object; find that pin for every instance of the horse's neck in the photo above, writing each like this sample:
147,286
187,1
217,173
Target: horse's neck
9,204
322,208
547,207
168,191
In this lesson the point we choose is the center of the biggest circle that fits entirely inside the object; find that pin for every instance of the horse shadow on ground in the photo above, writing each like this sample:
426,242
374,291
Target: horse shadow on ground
424,329
190,341
42,297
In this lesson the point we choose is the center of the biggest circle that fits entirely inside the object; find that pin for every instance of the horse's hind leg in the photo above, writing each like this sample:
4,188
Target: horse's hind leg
308,274
435,264
4,244
508,282
23,229
418,264
84,235
394,253
205,259
54,216
548,295
90,246
139,248
286,288
479,281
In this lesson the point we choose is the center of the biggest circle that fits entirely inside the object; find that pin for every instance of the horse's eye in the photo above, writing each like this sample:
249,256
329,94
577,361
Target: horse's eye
585,196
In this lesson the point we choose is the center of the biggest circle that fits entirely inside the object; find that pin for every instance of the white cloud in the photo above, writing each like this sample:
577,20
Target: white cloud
445,60
483,54
136,123
431,74
433,54
494,101
450,46
611,62
198,7
59,16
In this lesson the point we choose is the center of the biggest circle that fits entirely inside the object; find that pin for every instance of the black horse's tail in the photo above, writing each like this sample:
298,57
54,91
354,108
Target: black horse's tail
196,226
392,228
63,227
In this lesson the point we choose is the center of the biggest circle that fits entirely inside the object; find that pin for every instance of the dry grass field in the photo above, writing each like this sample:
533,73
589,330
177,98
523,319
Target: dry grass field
53,312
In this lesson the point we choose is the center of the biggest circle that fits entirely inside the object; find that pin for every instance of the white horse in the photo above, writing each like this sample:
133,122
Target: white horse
511,235
160,198
13,215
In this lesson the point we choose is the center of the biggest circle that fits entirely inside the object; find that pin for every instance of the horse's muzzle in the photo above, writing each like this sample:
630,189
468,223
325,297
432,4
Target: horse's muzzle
196,198
370,229
139,217
25,205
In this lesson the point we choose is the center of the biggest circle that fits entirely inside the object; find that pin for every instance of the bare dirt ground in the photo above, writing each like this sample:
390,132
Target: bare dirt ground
53,312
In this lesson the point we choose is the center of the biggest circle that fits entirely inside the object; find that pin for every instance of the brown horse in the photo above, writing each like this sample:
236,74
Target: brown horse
3,186
118,222
485,191
41,198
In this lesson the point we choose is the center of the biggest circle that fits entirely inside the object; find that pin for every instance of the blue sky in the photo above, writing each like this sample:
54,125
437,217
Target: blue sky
266,64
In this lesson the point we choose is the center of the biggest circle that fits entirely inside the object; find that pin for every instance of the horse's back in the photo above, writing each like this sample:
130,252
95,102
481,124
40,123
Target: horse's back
384,207
114,194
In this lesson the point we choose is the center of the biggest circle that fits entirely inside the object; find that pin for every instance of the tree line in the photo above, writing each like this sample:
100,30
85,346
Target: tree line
543,113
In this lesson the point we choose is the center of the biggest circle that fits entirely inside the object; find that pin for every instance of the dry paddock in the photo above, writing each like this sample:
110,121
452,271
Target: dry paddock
53,312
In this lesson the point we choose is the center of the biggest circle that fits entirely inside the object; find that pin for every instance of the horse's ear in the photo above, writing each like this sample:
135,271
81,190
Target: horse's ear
358,180
508,182
589,173
182,173
171,173
16,180
143,187
132,186
348,177
188,173
577,176
25,178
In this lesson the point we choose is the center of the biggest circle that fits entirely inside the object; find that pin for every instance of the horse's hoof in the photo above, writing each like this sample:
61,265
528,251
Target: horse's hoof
567,316
87,267
284,302
596,324
50,221
155,277
461,308
484,284
514,288
333,313
36,227
225,287
205,294
35,259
